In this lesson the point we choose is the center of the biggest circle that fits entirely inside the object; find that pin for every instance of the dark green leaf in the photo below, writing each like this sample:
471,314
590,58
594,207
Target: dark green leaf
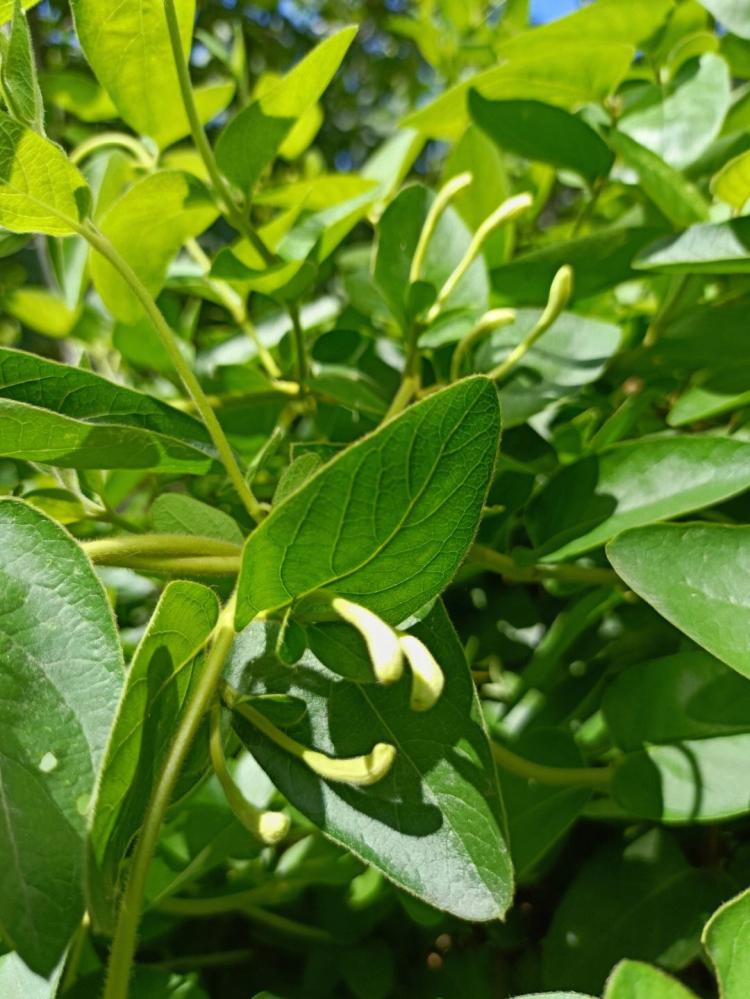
175,513
388,522
60,678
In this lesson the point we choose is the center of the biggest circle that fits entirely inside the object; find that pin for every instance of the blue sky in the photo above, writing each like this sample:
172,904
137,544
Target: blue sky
547,10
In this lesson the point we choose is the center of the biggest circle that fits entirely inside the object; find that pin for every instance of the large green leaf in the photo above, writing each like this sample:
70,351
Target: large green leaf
76,419
734,15
388,522
644,900
636,980
60,678
147,225
714,248
572,353
632,484
40,191
165,669
726,939
680,121
434,824
675,197
251,140
127,46
698,577
539,131
17,981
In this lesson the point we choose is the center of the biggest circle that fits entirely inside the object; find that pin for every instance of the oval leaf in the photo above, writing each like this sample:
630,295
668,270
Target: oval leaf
727,942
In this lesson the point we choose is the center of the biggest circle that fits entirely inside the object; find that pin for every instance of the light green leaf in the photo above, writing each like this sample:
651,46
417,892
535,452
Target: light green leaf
732,182
563,75
316,193
733,15
127,46
78,94
434,823
42,311
726,939
714,248
544,133
713,393
680,121
6,8
644,900
176,513
60,678
675,197
18,79
148,224
17,981
210,100
388,522
40,191
252,139
573,352
635,980
165,668
631,484
697,576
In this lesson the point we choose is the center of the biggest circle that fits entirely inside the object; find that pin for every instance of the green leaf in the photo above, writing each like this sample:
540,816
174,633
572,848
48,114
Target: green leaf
42,311
714,248
252,139
735,17
128,48
434,824
210,100
712,394
164,671
76,419
60,677
695,576
563,75
675,197
40,191
726,939
632,484
6,8
635,980
572,353
680,121
539,815
732,182
18,80
148,224
17,981
544,133
388,522
79,94
644,900
175,513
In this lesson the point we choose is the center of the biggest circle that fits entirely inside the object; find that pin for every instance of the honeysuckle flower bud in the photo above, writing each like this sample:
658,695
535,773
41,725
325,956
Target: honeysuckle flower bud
427,677
381,640
360,770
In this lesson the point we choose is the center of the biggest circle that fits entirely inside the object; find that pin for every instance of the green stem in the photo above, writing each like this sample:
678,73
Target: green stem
124,943
105,139
299,346
486,558
183,369
170,545
443,198
406,391
200,907
202,565
219,184
490,321
595,777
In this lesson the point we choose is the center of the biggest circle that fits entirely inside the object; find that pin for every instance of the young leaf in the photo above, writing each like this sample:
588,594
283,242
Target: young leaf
148,224
434,824
543,132
40,191
636,980
631,484
388,522
694,575
127,45
175,513
726,939
18,80
251,140
60,678
165,668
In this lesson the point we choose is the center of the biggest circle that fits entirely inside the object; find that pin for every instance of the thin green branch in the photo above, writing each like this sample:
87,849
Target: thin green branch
594,777
503,565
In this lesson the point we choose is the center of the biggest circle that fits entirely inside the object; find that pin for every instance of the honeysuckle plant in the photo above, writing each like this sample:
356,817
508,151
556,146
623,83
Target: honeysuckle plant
295,649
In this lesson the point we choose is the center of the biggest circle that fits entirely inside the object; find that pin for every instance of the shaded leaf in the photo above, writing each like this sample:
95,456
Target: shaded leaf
176,513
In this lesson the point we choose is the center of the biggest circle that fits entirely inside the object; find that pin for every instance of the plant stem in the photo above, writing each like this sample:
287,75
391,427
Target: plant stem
490,321
504,565
124,943
444,196
219,184
299,346
111,550
596,777
183,369
202,565
105,139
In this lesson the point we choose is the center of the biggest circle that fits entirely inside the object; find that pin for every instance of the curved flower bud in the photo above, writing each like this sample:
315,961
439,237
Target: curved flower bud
381,640
361,770
427,678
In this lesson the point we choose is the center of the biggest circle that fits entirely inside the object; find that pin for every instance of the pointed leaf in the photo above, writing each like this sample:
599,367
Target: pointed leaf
726,939
714,248
635,980
388,522
60,678
18,78
17,981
